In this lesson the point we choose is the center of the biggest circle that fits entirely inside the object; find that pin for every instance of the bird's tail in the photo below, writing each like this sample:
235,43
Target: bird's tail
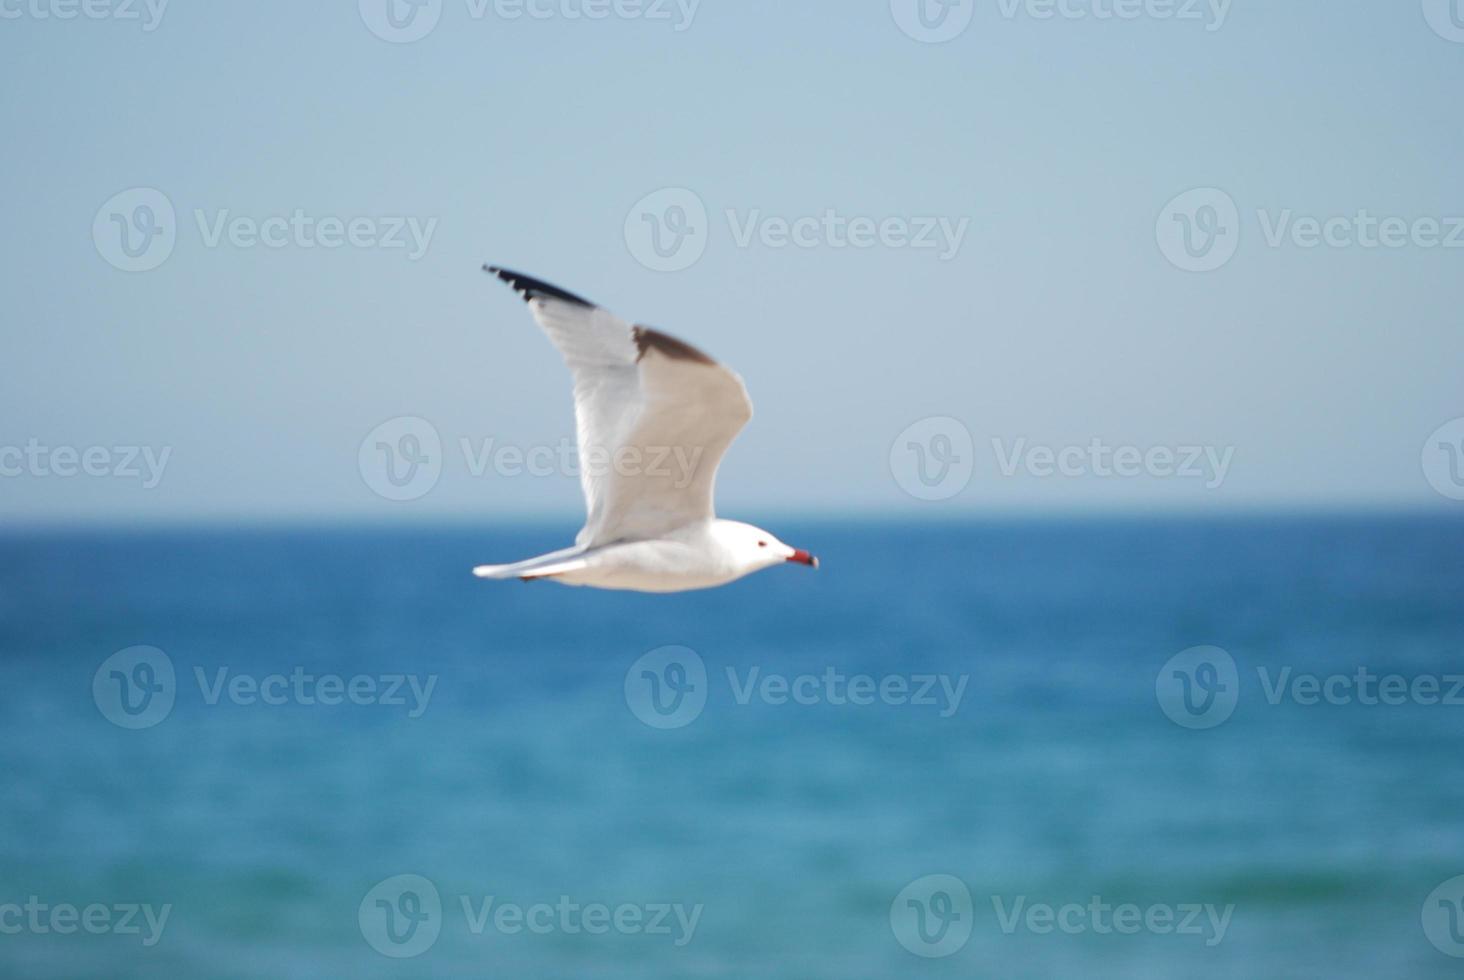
544,566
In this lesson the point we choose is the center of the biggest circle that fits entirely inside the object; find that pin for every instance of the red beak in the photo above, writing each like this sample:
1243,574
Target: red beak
803,558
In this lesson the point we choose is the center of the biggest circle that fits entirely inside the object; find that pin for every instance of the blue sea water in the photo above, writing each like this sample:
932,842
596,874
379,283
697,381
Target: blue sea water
271,831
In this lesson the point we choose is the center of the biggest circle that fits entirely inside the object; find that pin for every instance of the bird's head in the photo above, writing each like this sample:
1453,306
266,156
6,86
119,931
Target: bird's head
753,548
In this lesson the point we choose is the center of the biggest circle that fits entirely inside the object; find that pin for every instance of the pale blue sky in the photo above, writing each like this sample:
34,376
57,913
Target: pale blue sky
528,142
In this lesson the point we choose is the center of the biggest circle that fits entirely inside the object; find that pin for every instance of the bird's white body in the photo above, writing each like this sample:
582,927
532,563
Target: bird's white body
700,555
642,400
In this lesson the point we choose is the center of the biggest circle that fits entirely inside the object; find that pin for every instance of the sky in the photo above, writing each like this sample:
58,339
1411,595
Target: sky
987,257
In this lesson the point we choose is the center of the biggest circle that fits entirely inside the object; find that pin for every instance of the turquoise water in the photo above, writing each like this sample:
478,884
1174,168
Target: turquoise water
788,830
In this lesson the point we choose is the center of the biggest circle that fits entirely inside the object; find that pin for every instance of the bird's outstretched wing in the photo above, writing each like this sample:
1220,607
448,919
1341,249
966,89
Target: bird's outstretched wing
654,416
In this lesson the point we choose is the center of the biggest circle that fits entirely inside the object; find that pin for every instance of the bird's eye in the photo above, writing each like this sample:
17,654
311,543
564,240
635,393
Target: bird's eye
762,544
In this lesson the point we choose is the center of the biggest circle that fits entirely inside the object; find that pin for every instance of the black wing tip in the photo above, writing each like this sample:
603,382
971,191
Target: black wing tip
648,338
530,288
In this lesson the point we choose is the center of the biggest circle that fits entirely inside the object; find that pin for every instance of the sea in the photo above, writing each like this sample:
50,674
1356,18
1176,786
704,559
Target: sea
1137,747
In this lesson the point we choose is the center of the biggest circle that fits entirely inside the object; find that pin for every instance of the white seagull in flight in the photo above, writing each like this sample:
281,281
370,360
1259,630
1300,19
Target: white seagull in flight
654,416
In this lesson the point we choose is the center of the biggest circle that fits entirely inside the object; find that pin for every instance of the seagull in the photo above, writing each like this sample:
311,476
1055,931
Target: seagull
654,416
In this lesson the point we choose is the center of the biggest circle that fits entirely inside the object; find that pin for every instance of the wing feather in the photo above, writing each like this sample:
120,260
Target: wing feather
653,416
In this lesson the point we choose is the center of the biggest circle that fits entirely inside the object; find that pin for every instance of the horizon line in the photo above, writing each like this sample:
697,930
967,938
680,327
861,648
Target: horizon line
874,517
